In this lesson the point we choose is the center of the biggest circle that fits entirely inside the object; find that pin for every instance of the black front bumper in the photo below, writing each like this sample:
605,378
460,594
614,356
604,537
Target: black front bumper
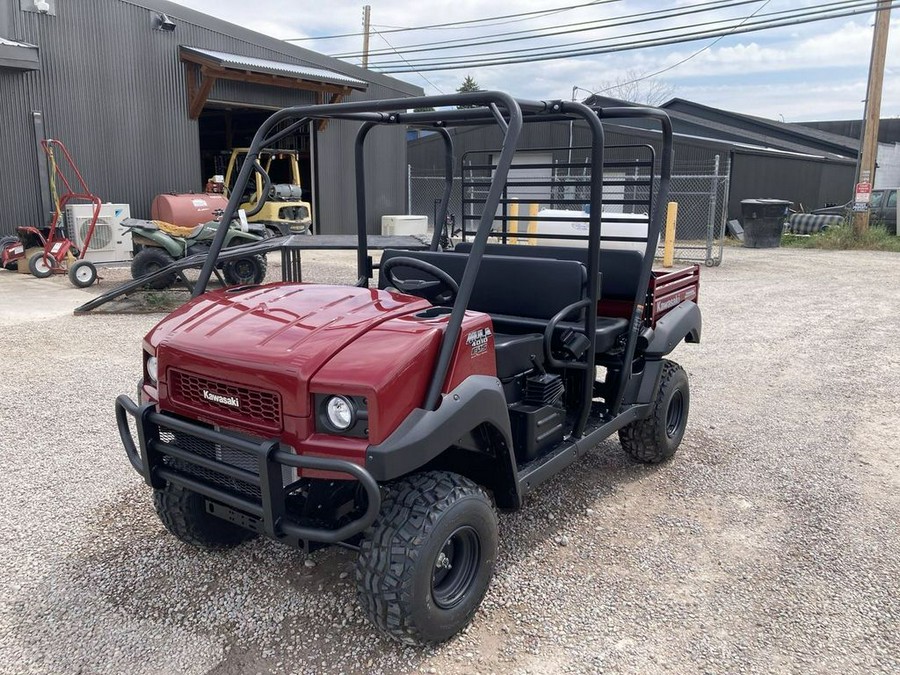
265,505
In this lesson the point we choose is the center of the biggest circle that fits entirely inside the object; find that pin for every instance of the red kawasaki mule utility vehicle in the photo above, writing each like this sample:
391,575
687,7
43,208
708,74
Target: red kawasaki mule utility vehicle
394,420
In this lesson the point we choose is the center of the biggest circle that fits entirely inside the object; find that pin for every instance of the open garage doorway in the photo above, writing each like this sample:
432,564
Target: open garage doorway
224,127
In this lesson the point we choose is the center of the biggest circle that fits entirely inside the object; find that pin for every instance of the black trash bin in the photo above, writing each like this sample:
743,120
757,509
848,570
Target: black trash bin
763,221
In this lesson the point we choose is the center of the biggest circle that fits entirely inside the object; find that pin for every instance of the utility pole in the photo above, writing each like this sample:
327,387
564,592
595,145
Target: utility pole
367,15
873,115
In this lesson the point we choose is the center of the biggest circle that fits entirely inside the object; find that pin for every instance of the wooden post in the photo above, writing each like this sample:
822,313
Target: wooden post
367,15
532,224
669,249
512,226
873,107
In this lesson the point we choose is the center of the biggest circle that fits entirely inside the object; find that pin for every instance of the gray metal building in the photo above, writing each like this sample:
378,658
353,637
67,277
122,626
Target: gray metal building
758,158
147,95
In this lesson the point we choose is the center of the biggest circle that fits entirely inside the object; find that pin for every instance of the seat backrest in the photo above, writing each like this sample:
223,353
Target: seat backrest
620,269
510,285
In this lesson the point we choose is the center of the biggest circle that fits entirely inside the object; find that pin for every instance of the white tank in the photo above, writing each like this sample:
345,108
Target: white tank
575,223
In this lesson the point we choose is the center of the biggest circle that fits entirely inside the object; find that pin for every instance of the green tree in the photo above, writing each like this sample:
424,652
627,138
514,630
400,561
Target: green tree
469,84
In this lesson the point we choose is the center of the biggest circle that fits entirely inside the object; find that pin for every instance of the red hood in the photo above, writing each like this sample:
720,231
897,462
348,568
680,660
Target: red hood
275,337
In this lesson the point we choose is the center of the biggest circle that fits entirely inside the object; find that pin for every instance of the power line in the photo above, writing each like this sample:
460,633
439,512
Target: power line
832,6
688,58
794,20
453,24
407,62
520,19
585,26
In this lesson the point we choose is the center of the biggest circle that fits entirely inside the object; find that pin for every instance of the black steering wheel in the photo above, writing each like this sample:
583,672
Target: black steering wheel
441,291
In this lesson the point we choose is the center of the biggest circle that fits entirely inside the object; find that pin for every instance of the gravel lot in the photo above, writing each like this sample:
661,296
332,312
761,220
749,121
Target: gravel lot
769,544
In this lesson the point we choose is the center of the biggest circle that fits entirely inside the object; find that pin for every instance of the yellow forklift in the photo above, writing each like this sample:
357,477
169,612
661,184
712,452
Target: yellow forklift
284,212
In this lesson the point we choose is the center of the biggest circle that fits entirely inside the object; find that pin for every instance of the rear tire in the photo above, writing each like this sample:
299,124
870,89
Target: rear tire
248,271
83,273
184,515
42,266
8,241
426,563
151,259
656,438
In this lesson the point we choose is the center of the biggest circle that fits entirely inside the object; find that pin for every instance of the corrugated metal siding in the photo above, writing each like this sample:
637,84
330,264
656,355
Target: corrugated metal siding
427,153
809,182
113,90
259,95
385,172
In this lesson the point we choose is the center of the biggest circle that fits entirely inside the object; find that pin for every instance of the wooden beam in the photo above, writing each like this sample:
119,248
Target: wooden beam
335,98
275,80
192,72
202,74
207,80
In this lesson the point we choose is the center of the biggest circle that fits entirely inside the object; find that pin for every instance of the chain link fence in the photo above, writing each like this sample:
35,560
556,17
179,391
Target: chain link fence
700,188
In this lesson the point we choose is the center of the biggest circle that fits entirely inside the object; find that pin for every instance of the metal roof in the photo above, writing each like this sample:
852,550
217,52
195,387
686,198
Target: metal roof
283,68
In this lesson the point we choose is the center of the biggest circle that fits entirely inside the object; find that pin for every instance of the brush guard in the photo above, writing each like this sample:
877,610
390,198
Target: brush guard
266,513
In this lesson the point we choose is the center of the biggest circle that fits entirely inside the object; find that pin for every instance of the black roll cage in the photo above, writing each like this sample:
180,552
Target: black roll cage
509,114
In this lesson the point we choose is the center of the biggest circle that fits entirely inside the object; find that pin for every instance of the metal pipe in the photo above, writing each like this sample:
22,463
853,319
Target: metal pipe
454,325
441,215
654,227
362,245
593,271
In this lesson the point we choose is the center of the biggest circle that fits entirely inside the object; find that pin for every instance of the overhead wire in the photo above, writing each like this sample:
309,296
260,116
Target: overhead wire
519,16
578,27
796,18
835,5
697,53
415,71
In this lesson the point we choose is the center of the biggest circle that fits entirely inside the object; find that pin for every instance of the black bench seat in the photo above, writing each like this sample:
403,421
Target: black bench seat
520,293
608,329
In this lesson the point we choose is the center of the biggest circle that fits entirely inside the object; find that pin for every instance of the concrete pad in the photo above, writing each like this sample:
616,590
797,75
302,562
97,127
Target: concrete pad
25,298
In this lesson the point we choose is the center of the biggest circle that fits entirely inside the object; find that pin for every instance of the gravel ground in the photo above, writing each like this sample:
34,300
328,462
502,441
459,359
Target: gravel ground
769,544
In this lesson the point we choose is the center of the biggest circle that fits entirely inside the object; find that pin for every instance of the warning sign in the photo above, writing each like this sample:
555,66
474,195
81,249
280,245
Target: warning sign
863,192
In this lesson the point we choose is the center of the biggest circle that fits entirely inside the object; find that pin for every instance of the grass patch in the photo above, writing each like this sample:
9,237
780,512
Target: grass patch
842,238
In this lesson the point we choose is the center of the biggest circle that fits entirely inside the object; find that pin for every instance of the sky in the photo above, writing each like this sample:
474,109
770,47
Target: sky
815,71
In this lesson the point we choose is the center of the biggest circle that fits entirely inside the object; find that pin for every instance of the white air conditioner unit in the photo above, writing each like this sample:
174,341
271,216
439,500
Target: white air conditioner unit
110,242
403,225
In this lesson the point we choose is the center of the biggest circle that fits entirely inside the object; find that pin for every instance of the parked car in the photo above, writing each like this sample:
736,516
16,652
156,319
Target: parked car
882,209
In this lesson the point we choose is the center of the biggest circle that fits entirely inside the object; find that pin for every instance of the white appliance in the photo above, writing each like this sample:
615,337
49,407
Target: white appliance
575,224
402,225
111,242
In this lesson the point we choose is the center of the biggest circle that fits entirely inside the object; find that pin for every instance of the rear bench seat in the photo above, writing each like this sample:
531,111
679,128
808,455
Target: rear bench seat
620,269
520,293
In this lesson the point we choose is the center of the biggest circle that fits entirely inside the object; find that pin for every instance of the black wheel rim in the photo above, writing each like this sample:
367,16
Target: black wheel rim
675,414
243,270
455,567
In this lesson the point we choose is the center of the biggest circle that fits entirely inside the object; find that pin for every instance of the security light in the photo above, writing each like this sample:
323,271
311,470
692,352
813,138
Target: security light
163,22
42,6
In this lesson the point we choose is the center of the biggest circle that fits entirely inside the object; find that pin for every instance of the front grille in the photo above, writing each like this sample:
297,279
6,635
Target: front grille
227,401
214,451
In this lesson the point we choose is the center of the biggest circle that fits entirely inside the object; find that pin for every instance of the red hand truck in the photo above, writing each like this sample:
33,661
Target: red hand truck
57,246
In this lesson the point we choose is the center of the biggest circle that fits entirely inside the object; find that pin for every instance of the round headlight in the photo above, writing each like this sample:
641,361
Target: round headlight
153,369
339,412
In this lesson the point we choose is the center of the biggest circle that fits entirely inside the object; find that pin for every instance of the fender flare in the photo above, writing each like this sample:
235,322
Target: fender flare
682,323
426,434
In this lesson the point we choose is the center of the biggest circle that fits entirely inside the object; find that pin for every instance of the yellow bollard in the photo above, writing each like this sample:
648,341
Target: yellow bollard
669,248
532,224
512,226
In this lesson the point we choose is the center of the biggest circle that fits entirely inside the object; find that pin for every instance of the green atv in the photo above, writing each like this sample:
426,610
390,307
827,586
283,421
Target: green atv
161,244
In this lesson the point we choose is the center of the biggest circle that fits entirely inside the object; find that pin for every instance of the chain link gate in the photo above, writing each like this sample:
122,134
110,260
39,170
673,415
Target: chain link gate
699,187
701,190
